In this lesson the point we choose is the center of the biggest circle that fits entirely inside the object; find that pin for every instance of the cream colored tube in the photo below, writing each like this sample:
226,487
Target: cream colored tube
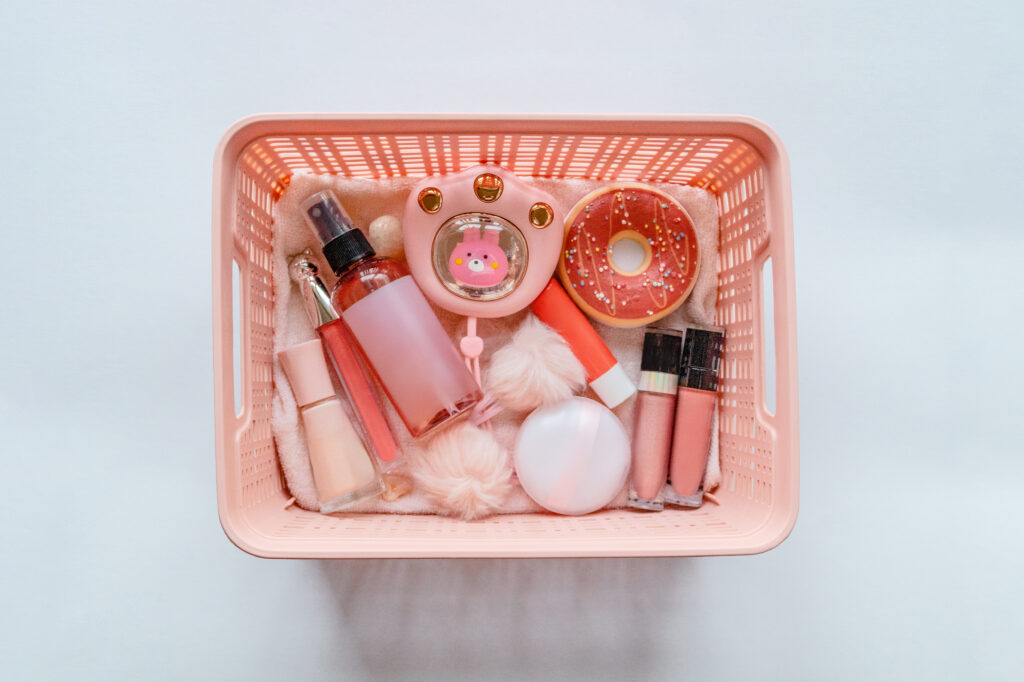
343,470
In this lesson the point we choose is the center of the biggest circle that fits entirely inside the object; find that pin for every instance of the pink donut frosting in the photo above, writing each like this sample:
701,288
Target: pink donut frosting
658,225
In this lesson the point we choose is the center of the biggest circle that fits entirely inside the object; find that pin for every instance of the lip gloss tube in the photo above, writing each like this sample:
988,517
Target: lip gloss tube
695,411
341,349
604,373
343,470
655,409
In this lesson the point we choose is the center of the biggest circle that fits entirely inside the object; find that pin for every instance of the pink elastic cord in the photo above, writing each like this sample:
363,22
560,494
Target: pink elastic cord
486,410
472,346
471,332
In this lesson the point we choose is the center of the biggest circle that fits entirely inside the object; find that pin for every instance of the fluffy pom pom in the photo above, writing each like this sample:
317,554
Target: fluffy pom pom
464,471
386,237
536,368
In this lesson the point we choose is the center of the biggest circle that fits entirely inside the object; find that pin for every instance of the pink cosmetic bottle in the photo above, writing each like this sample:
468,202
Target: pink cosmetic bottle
655,412
695,411
416,362
343,470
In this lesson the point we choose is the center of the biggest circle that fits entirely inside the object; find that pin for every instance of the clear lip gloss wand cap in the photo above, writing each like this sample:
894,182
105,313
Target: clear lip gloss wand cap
315,297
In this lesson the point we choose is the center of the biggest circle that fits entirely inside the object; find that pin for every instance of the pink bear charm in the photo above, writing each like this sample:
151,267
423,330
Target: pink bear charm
478,260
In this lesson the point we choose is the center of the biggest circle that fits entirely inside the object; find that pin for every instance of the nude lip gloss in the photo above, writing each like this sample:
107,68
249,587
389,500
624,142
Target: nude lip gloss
695,409
655,409
341,349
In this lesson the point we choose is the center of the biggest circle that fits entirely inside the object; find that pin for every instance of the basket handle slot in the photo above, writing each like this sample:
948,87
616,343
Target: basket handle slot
236,336
767,344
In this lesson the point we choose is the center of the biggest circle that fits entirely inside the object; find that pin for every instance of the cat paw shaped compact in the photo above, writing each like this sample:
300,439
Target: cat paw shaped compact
481,243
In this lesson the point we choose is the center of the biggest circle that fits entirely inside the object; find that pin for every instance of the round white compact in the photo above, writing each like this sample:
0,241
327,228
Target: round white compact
573,457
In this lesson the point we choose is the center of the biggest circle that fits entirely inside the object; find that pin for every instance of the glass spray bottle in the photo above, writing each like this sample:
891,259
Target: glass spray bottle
413,357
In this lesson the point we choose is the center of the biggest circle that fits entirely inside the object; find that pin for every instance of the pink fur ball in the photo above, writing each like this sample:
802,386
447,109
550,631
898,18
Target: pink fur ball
536,368
464,471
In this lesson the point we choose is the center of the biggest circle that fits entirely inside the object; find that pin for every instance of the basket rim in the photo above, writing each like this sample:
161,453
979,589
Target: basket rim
755,132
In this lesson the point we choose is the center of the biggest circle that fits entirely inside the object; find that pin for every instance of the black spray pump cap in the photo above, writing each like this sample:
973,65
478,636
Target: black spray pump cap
343,243
701,358
661,350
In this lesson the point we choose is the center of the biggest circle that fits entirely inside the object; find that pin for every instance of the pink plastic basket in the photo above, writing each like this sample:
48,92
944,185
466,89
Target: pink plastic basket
739,159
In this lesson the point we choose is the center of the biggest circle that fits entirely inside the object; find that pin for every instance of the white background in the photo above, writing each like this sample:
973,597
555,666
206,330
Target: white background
903,127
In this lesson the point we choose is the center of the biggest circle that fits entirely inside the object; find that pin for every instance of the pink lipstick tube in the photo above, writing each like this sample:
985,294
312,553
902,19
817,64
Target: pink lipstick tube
695,411
604,373
655,411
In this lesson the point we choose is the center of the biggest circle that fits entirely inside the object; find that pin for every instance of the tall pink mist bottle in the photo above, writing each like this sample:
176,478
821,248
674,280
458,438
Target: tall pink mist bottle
415,360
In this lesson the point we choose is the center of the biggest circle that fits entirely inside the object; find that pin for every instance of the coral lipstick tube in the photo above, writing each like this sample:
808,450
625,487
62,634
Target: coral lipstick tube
604,373
342,351
695,411
655,412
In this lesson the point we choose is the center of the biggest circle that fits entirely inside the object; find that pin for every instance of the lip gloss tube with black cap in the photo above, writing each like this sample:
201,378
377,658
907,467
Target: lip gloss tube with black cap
695,411
655,409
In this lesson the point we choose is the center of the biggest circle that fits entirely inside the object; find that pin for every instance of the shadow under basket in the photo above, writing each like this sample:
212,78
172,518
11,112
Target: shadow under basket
740,160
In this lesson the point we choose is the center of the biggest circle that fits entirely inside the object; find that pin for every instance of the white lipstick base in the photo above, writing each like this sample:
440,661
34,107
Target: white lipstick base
614,387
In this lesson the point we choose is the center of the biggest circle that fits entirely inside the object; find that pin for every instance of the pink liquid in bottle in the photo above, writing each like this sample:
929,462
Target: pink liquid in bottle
339,344
423,374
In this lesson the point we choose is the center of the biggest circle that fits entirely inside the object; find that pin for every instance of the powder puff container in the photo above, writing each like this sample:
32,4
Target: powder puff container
573,457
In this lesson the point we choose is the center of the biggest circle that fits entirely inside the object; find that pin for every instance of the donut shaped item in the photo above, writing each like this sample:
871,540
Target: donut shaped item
630,255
